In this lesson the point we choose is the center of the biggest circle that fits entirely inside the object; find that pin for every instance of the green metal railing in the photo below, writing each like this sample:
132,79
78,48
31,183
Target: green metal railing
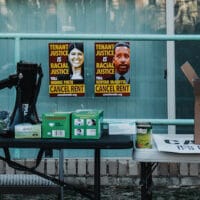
185,122
137,37
127,37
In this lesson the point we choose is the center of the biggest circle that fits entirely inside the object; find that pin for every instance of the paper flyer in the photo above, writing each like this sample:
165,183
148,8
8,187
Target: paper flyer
112,69
66,69
176,143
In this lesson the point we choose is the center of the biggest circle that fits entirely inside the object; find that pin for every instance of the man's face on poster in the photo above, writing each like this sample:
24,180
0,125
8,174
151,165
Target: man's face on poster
121,59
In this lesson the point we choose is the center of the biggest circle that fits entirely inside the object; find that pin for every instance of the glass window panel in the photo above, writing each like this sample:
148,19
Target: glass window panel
186,51
187,13
83,16
187,21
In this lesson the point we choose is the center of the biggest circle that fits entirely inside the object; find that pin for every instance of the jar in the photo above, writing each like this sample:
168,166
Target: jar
143,135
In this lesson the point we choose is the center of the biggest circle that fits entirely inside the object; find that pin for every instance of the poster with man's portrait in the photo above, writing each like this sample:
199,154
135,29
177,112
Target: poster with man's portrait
66,69
112,69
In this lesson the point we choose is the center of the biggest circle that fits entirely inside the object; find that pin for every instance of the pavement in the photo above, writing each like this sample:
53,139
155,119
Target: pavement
122,193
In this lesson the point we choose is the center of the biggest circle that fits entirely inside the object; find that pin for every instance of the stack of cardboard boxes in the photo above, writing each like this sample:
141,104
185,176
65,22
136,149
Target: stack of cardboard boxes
80,124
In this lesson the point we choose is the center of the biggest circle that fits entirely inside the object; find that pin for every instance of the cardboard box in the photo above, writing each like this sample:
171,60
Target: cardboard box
26,130
86,124
194,80
56,125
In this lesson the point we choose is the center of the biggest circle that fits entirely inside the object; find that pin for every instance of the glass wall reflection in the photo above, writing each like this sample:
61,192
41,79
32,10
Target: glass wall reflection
187,13
83,16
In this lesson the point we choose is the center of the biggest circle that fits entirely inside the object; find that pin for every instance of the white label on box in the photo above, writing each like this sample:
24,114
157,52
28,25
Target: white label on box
91,132
58,133
79,122
79,131
91,122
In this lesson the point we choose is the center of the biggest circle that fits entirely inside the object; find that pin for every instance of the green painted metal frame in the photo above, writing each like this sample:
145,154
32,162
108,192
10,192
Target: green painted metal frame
153,121
137,37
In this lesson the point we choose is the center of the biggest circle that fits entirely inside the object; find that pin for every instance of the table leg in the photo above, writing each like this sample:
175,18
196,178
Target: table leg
97,178
61,173
146,181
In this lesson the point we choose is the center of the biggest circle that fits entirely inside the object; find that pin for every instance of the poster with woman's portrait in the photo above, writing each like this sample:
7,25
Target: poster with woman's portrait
112,69
66,69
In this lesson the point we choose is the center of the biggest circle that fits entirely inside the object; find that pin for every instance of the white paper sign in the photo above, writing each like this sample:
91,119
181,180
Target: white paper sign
176,143
121,128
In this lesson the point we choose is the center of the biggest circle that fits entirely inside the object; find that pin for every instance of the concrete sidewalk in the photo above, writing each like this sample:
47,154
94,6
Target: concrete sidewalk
122,193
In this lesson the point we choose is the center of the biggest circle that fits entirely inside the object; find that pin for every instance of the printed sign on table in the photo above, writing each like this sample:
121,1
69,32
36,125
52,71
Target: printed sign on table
66,69
112,69
176,143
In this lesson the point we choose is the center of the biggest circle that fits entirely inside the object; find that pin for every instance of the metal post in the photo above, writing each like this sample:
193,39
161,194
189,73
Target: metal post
61,172
171,104
146,181
17,152
17,49
97,181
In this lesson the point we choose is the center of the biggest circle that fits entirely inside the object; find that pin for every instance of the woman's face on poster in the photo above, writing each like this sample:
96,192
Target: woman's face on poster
76,57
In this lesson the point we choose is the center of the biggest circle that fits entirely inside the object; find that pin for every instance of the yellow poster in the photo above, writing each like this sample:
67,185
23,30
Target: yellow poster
66,69
112,69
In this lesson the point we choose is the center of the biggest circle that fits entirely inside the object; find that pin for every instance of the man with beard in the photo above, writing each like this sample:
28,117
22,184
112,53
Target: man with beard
121,61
